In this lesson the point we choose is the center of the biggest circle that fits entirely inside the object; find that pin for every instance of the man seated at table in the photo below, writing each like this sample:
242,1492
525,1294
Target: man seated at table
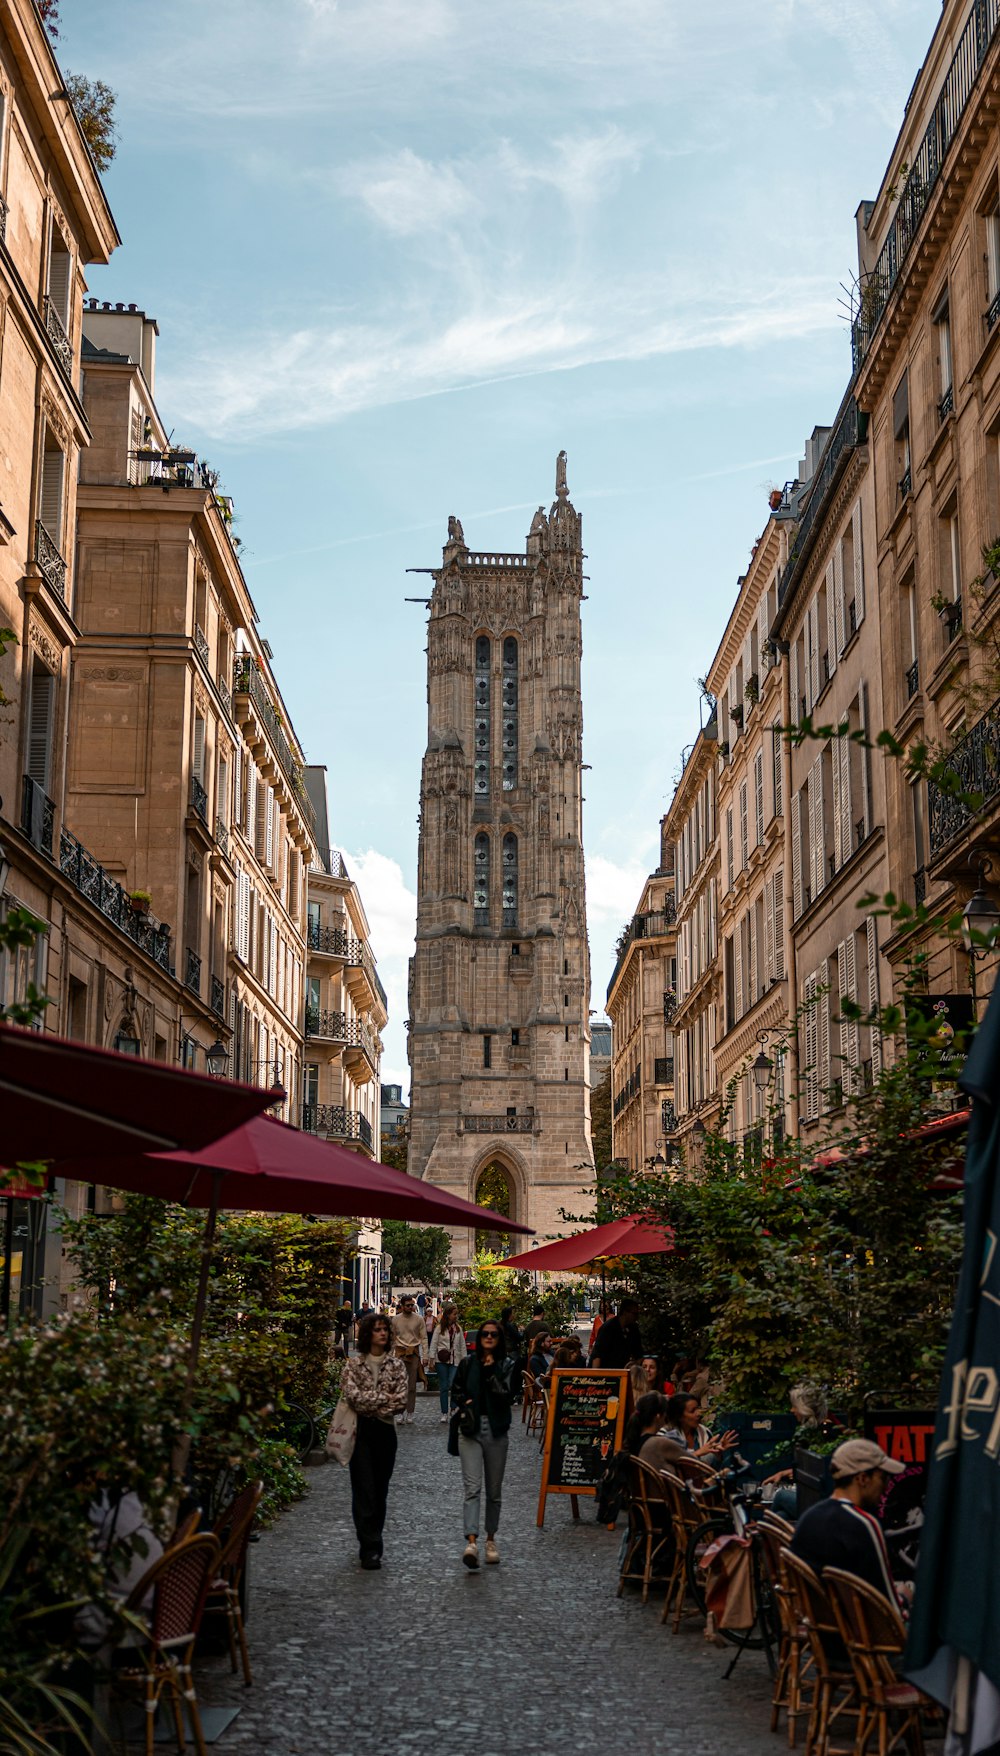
618,1340
843,1531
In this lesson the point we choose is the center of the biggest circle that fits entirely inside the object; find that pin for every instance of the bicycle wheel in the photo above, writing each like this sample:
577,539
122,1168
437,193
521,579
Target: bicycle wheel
698,1542
298,1429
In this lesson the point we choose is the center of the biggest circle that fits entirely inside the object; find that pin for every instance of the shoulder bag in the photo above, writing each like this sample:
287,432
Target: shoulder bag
343,1433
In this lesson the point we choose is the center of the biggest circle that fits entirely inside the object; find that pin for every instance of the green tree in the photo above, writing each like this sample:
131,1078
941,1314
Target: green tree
600,1121
394,1151
94,103
420,1254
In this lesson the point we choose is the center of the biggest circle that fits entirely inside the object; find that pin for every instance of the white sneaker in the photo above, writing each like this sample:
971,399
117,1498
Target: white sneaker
492,1552
408,1419
470,1554
443,1419
400,1419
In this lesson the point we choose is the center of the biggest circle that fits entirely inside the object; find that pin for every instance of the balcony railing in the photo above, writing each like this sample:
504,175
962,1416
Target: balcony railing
946,403
335,1120
359,956
920,886
663,1070
975,765
851,431
38,815
201,643
247,680
498,1124
330,940
332,862
912,675
358,1036
222,836
192,971
217,999
105,892
331,1025
973,46
50,560
199,799
62,347
648,926
3,220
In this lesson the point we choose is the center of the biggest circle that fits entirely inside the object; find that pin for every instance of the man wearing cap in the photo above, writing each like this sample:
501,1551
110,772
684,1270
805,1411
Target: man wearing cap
843,1531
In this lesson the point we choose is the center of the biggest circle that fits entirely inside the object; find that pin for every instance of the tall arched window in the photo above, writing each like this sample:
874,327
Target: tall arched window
510,880
509,714
481,881
481,770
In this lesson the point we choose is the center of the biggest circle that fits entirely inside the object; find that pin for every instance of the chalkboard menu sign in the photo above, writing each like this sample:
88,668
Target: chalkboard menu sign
586,1418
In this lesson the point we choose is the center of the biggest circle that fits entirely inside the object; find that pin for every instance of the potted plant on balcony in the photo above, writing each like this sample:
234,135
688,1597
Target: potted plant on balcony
139,901
774,499
752,690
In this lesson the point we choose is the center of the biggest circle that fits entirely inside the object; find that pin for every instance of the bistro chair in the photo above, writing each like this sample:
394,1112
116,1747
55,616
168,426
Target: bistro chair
161,1663
794,1658
232,1528
873,1632
687,1520
650,1526
835,1694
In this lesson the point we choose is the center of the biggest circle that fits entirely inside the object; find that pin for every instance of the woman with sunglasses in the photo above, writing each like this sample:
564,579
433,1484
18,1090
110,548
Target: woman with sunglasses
374,1384
481,1395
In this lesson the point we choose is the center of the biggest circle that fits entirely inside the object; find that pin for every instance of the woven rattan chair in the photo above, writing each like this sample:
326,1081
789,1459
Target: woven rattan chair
232,1528
161,1663
835,1694
873,1632
686,1518
794,1658
650,1526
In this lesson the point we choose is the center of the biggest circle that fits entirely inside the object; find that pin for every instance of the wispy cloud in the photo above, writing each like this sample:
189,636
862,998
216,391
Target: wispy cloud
391,908
407,194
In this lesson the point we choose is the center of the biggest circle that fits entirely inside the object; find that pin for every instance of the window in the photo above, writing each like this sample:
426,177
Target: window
776,766
41,714
481,881
515,1038
482,727
509,900
509,706
992,261
51,490
487,1049
942,336
744,827
901,436
758,795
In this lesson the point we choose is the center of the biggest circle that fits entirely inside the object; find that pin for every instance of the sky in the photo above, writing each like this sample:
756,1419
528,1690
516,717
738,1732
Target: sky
402,252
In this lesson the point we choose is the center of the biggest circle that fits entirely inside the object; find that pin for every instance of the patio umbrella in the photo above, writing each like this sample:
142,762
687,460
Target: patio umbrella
59,1097
632,1236
953,1649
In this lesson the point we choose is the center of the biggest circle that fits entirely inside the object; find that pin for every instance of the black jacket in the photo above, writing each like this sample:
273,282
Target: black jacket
492,1398
616,1345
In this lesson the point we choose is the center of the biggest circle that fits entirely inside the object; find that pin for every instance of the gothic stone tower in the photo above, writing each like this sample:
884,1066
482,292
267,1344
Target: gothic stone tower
500,980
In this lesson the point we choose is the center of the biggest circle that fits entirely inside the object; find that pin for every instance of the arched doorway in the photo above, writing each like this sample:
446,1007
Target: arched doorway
495,1189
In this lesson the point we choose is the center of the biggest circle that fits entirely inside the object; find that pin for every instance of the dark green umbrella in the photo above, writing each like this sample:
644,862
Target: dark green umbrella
955,1625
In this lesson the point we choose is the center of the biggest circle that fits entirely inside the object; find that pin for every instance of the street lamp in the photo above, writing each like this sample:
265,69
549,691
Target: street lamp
698,1129
217,1059
980,920
763,1066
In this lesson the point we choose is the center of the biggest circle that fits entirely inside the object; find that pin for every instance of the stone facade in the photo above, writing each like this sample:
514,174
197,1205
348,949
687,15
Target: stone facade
641,1000
691,828
500,978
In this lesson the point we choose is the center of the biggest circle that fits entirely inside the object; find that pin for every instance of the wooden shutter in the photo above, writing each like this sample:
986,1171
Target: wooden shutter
793,682
865,756
40,707
810,1071
768,972
251,818
831,613
798,898
762,620
198,755
822,1050
778,910
50,500
859,566
839,609
812,615
853,1033
744,827
269,827
752,959
243,915
843,993
871,936
738,1007
60,263
817,828
776,776
729,847
835,780
758,797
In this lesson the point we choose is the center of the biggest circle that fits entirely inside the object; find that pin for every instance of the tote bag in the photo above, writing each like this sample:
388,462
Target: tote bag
343,1432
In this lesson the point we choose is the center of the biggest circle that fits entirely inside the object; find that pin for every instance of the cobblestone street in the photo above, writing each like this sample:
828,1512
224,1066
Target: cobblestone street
536,1655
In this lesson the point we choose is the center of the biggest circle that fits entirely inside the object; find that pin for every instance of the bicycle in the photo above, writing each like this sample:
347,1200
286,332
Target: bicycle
736,1517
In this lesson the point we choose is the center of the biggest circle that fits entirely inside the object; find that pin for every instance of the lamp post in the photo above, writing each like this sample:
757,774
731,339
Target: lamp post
217,1059
980,925
763,1066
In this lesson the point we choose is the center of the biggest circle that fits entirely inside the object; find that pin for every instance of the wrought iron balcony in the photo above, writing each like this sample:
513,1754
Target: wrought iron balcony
217,999
93,882
222,836
321,1023
337,1123
38,815
975,765
912,680
332,862
248,681
359,957
920,885
946,403
192,971
648,926
992,313
359,1036
973,46
905,483
663,1070
201,643
499,1124
61,344
851,430
3,220
331,941
199,799
50,560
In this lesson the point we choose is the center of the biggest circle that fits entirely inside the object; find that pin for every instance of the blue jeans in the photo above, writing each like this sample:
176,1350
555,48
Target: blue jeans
445,1376
482,1456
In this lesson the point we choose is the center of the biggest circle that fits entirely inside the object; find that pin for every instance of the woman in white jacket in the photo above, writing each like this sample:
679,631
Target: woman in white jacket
447,1350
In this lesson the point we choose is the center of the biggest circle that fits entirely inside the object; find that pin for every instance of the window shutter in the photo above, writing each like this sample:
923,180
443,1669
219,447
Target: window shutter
238,784
866,762
853,1038
839,609
744,827
272,962
846,806
797,896
831,612
859,567
810,1071
251,818
817,827
50,501
729,847
243,915
762,620
768,972
758,791
739,1008
873,1002
59,277
793,682
42,701
838,821
776,733
823,1050
778,905
752,953
260,816
843,990
814,674
269,827
198,757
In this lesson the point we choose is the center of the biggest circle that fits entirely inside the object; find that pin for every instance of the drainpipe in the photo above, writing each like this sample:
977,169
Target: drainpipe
792,1094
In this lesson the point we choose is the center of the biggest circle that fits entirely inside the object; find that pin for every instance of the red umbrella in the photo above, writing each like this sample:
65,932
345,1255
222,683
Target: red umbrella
59,1097
634,1236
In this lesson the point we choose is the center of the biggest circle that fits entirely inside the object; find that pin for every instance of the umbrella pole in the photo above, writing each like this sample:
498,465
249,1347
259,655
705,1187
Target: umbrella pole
183,1447
604,1292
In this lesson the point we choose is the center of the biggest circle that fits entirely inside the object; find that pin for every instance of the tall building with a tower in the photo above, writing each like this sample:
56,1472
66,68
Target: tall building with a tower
500,980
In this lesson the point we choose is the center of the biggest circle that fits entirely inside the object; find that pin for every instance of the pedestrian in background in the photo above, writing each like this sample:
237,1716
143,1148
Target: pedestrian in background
410,1343
447,1350
343,1323
481,1395
374,1384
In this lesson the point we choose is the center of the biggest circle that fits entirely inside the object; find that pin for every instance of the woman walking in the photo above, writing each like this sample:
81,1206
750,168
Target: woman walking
374,1384
447,1348
481,1394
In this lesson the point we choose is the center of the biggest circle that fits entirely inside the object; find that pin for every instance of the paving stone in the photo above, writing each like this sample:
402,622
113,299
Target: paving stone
530,1656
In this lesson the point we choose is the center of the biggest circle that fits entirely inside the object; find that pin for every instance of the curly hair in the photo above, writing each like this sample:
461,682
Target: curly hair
365,1328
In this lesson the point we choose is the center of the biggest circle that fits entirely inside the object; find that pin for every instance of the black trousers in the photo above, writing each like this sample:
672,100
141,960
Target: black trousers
372,1465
